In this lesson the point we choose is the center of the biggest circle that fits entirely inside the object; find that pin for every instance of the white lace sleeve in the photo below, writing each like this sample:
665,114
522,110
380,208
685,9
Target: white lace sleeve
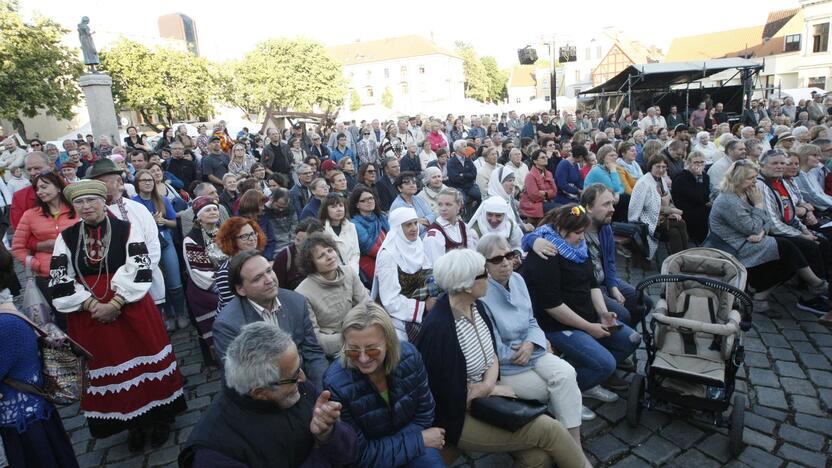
67,294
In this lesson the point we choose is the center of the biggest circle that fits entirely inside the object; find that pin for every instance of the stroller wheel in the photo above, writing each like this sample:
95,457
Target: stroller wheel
634,396
735,444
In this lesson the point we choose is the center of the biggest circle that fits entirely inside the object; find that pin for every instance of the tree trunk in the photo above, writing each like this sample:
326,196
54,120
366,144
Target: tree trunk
149,121
20,128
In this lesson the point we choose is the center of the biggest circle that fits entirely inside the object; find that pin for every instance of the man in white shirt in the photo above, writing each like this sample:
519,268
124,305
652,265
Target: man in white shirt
734,151
650,120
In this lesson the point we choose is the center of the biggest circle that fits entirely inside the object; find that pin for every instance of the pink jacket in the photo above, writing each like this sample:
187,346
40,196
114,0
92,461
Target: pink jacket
531,203
436,141
34,227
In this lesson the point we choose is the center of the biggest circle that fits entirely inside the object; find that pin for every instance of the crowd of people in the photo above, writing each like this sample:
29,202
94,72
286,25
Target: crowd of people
360,286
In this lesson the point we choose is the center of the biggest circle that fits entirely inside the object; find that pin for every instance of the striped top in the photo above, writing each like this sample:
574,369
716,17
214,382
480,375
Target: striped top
475,342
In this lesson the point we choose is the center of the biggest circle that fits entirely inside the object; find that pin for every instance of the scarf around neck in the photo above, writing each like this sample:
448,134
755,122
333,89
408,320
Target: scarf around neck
575,254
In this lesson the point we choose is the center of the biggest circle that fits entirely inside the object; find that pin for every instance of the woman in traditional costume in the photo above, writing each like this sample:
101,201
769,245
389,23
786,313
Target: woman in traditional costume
100,277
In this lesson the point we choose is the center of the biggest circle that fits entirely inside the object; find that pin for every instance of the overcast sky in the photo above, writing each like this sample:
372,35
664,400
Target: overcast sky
229,29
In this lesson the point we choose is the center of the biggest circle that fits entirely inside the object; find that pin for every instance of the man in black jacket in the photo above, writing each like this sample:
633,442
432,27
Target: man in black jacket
462,174
280,422
386,186
276,156
182,168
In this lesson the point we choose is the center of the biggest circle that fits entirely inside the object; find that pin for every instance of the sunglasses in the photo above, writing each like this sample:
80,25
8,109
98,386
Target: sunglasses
482,275
499,258
354,354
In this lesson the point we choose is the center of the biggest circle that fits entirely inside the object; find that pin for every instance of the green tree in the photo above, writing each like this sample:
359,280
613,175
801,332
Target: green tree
387,98
497,79
284,74
170,83
37,72
355,101
476,78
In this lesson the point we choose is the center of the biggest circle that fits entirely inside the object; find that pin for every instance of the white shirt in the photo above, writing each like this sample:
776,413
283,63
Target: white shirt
139,215
268,316
434,241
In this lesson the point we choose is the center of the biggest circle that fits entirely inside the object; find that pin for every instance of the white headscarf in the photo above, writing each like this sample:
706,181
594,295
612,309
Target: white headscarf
495,185
491,205
409,255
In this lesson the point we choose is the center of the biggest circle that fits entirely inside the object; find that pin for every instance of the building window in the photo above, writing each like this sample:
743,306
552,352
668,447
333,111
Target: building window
792,43
817,82
386,73
820,38
369,91
588,54
598,51
404,88
518,100
547,98
403,71
421,69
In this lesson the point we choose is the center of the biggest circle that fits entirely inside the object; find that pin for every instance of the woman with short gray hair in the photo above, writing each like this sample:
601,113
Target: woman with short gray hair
458,348
526,362
432,184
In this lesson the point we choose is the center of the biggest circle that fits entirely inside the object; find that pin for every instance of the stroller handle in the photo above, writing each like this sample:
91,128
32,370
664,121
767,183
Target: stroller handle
742,298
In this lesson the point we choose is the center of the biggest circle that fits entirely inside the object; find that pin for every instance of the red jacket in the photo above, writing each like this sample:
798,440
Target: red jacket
22,200
531,203
34,227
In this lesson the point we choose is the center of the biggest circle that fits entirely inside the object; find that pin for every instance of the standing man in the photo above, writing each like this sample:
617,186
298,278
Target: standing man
697,117
318,149
276,157
719,114
258,298
674,119
183,169
215,165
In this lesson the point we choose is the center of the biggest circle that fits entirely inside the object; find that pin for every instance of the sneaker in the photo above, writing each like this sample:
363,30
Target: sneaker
587,414
821,289
135,440
615,382
815,305
627,365
159,435
182,322
600,393
170,325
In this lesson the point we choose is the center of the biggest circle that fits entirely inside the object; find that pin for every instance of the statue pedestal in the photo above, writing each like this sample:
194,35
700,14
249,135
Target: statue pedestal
98,92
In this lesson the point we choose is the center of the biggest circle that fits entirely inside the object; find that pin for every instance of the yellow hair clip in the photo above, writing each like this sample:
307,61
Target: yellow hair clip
577,210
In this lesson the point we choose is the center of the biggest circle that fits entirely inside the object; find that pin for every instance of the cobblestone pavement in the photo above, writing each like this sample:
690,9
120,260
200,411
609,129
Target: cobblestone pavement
787,380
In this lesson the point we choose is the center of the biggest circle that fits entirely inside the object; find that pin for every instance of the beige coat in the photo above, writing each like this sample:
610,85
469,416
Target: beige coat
329,301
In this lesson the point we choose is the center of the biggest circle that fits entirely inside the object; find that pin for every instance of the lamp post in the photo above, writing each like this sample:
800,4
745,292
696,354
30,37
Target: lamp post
553,81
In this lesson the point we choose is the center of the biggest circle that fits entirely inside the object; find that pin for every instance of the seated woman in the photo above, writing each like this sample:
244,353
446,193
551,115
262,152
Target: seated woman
330,290
348,168
691,192
319,189
459,351
627,160
486,164
811,188
406,186
449,231
402,272
526,365
234,236
569,305
740,226
370,226
568,175
30,426
651,204
229,194
333,216
493,216
539,189
252,207
432,185
606,173
502,185
280,213
285,265
200,294
382,386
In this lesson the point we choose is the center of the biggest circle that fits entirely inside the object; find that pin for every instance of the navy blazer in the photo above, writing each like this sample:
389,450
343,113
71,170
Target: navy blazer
293,319
388,435
461,175
445,363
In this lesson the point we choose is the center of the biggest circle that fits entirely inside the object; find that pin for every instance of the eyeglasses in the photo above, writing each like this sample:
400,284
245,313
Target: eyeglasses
36,145
366,199
247,236
372,353
499,258
295,377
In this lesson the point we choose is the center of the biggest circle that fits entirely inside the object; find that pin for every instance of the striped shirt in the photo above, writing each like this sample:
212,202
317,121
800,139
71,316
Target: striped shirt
475,342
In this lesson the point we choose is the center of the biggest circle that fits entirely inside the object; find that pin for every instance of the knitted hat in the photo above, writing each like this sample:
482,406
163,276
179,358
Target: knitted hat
202,202
328,165
84,188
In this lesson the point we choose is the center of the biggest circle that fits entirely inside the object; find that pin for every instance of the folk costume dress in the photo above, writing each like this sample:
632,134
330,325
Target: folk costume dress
134,379
202,299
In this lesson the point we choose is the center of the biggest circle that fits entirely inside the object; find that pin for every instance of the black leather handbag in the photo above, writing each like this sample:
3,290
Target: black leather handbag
506,412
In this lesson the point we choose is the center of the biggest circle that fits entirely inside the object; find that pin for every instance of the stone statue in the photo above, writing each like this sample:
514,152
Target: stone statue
87,45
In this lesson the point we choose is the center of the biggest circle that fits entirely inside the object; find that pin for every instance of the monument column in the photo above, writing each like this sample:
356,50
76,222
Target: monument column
98,92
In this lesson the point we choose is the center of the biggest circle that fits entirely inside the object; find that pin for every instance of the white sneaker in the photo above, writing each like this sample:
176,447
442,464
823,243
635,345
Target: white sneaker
600,393
587,414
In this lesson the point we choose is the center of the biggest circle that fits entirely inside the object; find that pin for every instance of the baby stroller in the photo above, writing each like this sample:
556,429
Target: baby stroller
694,341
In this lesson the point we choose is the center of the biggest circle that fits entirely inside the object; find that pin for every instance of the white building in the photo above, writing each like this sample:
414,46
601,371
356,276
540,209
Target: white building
418,73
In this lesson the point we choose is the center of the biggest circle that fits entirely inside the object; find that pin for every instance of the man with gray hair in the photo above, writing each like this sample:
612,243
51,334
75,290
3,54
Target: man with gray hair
300,192
734,151
462,174
266,402
205,189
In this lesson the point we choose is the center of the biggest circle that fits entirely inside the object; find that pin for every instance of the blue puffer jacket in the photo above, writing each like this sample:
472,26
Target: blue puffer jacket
386,435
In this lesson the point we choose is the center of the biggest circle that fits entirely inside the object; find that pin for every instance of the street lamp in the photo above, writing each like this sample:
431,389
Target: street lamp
528,56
